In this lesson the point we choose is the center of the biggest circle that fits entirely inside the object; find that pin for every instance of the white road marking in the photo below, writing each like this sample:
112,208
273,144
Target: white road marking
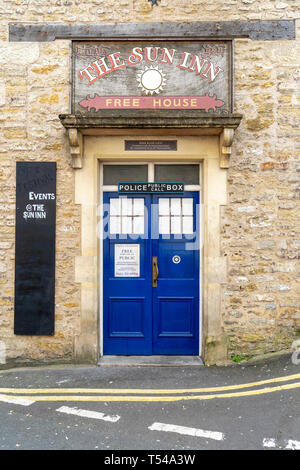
269,442
293,445
88,414
16,400
218,436
290,444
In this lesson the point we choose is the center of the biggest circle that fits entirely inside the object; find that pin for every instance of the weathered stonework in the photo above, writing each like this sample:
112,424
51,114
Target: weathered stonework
260,230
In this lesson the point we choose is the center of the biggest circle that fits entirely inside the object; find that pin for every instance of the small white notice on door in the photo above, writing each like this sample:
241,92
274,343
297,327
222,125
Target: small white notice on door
127,260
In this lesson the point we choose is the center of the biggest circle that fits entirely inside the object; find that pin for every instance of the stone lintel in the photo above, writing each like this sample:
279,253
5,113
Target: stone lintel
222,125
258,30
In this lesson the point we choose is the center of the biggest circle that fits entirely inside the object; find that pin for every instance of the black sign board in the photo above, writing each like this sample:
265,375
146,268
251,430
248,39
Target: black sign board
35,248
151,145
146,188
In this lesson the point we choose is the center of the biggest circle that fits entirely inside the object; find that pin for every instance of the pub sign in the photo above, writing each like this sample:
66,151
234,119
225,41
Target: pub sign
193,75
35,248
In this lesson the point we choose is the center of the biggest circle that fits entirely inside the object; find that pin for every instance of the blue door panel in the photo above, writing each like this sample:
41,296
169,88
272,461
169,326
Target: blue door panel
140,319
175,317
127,313
176,321
170,270
126,317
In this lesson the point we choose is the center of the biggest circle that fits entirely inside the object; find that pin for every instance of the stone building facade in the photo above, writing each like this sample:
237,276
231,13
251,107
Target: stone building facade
250,300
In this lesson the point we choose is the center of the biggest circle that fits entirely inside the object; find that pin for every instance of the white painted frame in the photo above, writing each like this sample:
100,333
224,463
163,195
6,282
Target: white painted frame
114,188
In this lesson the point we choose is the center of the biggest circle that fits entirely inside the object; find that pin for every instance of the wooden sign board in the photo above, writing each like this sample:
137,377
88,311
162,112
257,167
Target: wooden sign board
170,75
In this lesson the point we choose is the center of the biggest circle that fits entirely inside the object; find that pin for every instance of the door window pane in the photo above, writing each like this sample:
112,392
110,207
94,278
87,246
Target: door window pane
138,225
126,205
175,215
164,225
187,206
115,225
164,206
176,225
175,206
138,206
126,224
115,207
187,174
187,224
127,215
114,174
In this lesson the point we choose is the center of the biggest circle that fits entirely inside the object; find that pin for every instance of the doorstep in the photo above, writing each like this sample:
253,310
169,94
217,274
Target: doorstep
143,361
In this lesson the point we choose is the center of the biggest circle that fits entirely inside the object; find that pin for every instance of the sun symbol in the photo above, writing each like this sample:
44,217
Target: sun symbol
151,80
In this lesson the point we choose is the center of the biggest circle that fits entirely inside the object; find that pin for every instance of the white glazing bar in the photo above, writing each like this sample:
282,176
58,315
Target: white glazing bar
150,172
192,187
110,188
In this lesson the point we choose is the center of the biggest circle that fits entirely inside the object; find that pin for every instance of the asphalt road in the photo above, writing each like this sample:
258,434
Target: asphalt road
253,406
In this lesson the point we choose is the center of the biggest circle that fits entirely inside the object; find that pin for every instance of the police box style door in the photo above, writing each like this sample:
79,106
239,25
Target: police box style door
151,274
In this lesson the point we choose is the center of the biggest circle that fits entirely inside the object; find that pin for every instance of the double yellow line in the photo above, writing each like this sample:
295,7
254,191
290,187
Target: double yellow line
151,395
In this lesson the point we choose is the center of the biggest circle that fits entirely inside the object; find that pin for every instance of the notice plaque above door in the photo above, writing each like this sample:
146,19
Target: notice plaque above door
151,145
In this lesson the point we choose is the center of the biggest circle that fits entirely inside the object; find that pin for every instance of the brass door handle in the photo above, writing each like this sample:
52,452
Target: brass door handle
155,271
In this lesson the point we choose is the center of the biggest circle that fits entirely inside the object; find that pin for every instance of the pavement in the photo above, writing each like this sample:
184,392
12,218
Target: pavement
147,407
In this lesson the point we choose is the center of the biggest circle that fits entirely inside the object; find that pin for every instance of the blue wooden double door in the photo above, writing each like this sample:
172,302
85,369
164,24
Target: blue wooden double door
151,274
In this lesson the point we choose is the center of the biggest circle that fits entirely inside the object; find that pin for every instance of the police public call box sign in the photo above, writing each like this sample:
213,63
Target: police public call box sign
151,188
35,248
158,75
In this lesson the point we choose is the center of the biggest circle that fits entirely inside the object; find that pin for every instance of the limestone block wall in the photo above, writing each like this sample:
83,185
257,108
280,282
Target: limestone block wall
260,222
34,84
